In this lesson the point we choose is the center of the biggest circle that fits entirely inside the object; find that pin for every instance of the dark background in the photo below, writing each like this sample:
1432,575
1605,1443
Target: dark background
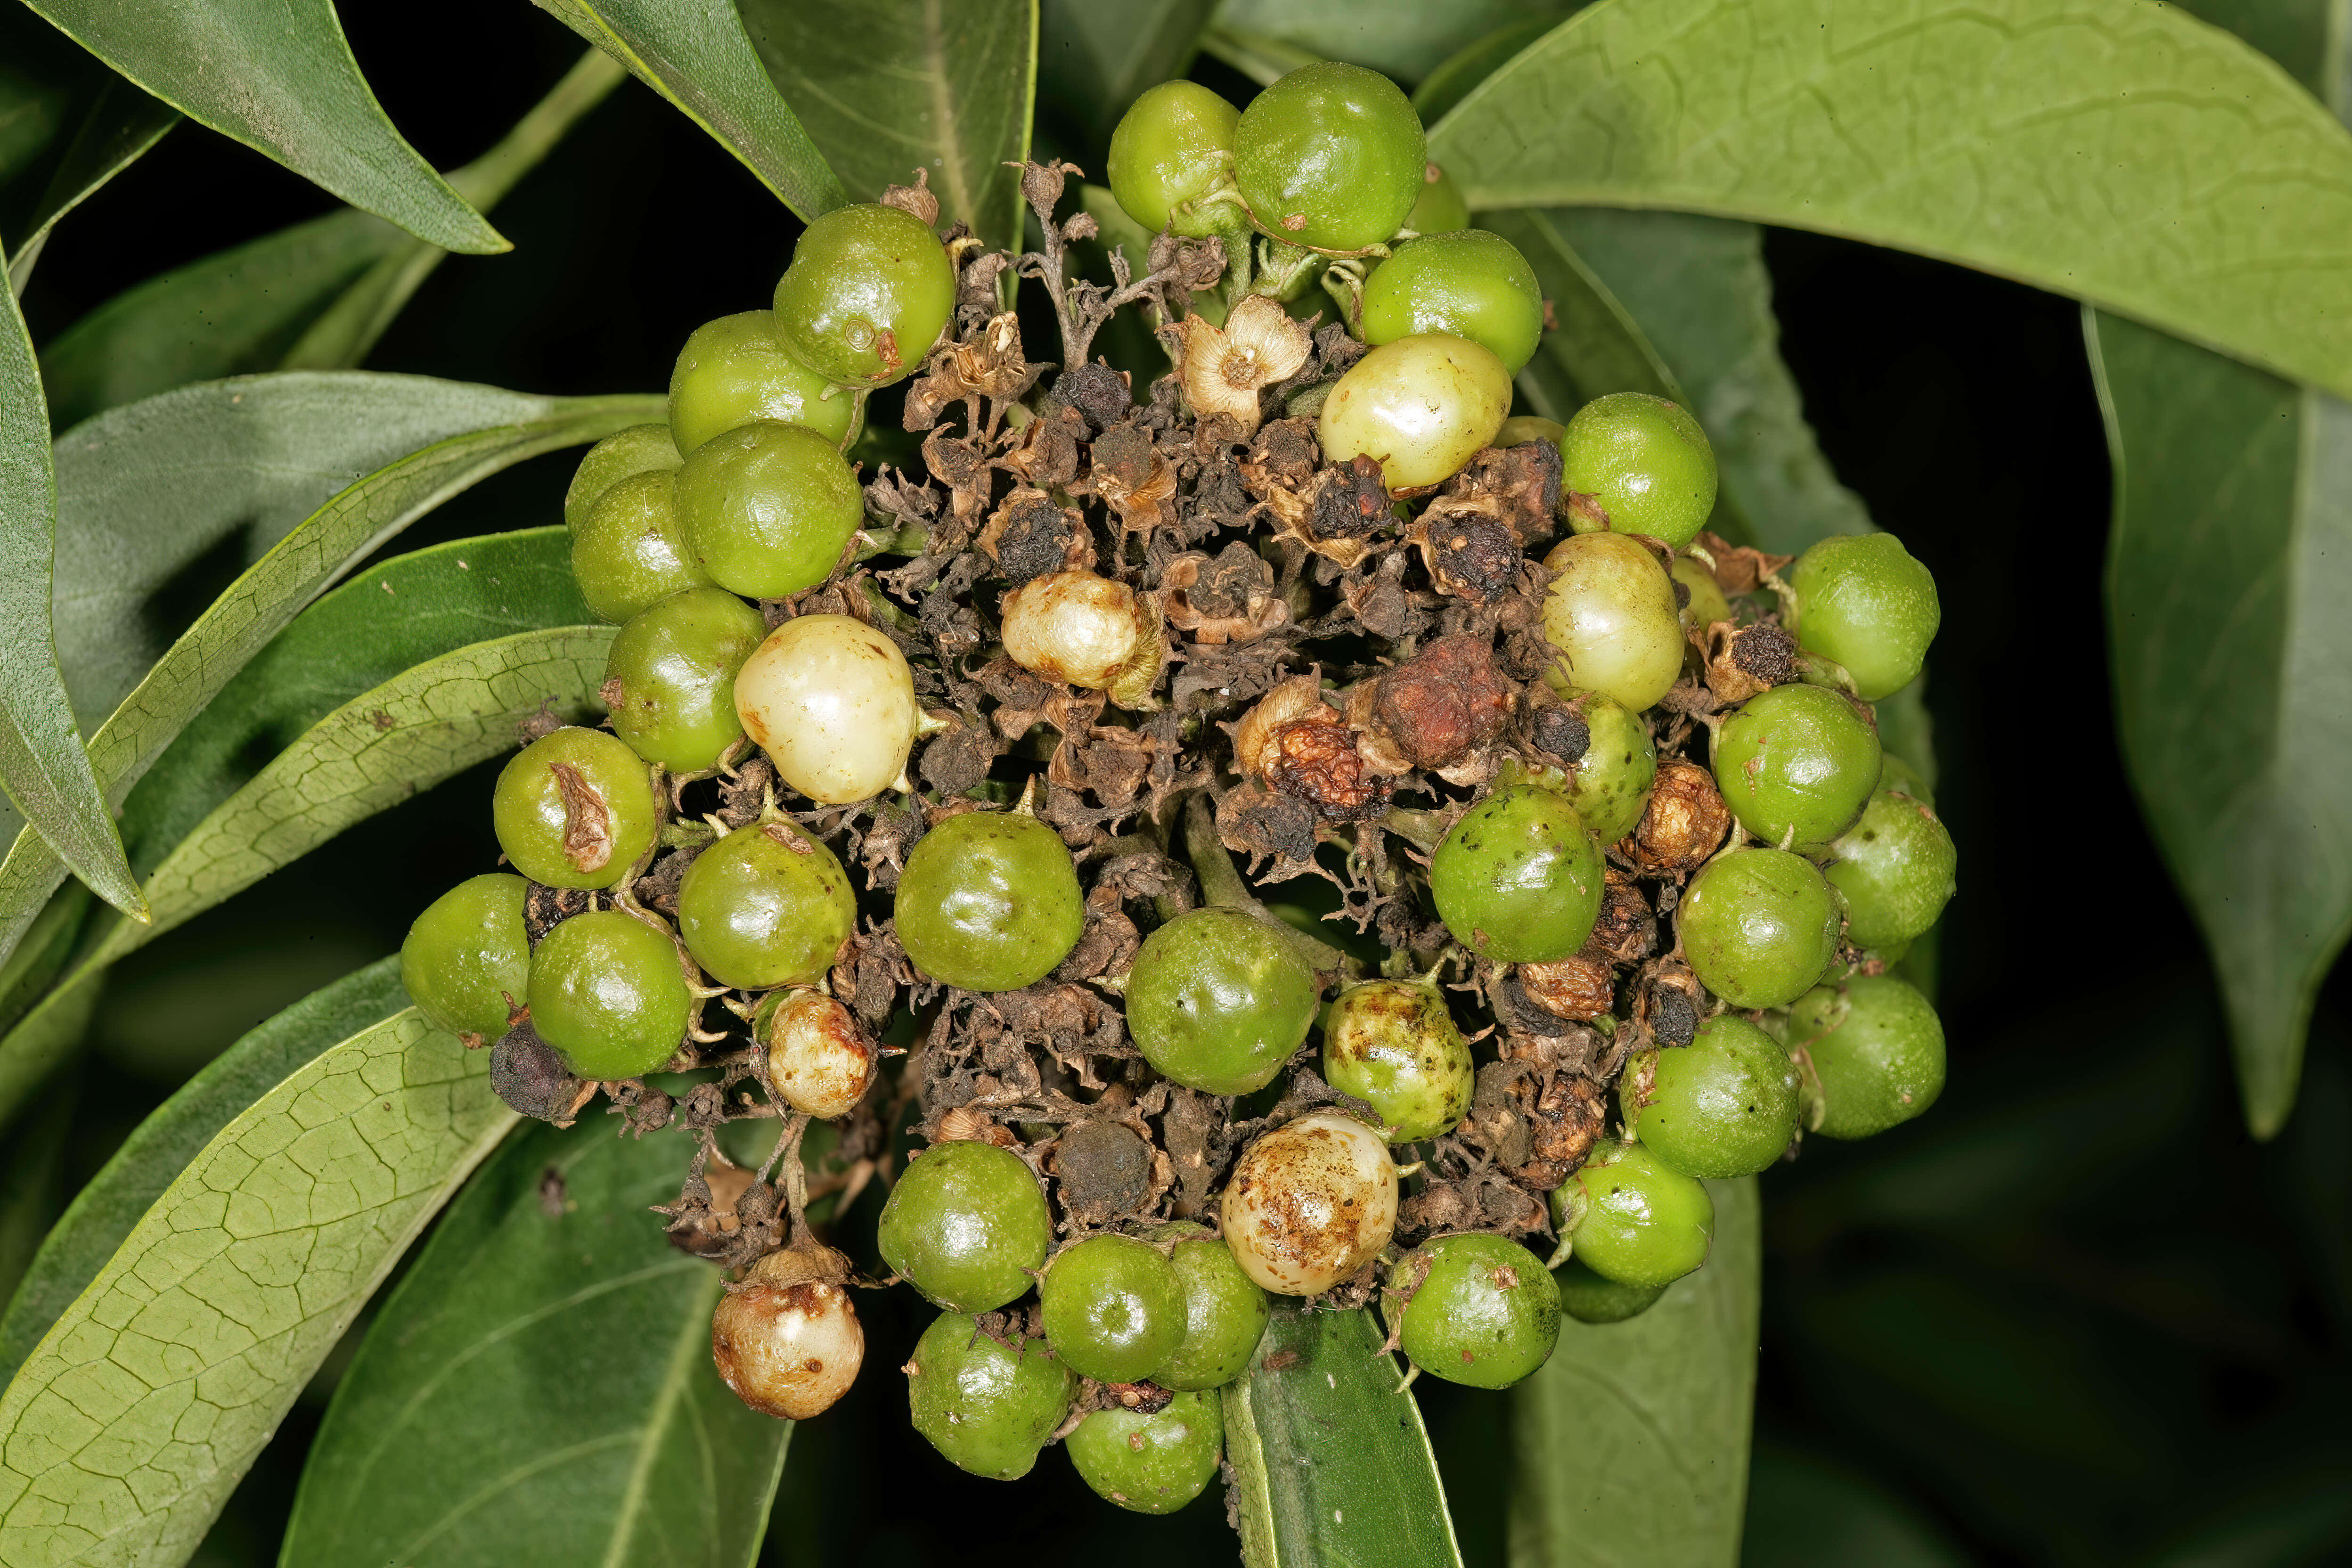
2075,1315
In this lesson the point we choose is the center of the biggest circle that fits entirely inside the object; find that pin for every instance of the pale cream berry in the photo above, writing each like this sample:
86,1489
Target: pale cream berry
831,702
1611,615
818,1058
1085,629
787,1341
1311,1203
1421,406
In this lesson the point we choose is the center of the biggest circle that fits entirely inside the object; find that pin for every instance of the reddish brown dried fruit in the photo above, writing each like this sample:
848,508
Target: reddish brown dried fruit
1349,501
1445,703
1314,759
1682,824
1104,1169
1575,987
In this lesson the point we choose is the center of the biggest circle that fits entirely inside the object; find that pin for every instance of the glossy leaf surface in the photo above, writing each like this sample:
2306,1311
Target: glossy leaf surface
136,1414
2126,154
278,75
550,1322
695,54
1632,1440
104,1212
1093,59
1407,39
1333,1464
893,86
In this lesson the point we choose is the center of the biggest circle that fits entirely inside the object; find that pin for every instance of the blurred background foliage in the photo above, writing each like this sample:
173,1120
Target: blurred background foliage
2076,1316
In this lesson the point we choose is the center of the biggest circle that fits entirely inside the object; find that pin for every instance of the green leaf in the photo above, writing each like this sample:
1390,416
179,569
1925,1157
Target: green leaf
569,1343
317,295
120,127
1094,59
2228,567
103,1212
1331,1463
1451,82
695,53
892,86
1595,347
1632,1440
278,75
1264,60
422,726
2126,154
42,767
137,1413
1405,38
35,966
32,1187
357,521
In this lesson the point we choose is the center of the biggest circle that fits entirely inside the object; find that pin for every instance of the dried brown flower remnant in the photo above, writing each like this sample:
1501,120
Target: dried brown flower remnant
1626,930
1445,703
1029,535
1682,824
1132,475
1225,368
1742,661
1577,987
1104,1169
1468,554
1315,760
1227,599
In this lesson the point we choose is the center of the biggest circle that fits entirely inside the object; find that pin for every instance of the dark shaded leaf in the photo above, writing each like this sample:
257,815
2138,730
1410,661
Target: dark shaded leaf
2129,155
1093,59
1332,1461
122,124
891,86
1451,82
103,1212
1407,39
549,1321
1632,1440
695,54
278,75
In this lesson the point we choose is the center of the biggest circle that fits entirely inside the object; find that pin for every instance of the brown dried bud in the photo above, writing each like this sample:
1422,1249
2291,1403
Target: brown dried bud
1682,824
1469,555
1742,661
1255,822
1668,1003
1348,500
1738,569
1626,930
915,198
1519,486
1030,536
1564,1115
709,1229
1132,474
1314,759
1229,599
1577,987
1104,1168
1097,391
964,1125
533,1077
1445,703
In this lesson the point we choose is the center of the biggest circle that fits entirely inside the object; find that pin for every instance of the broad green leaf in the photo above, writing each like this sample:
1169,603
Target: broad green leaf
422,726
1632,1440
122,124
296,569
42,767
1264,60
695,53
569,1343
137,1413
1405,38
892,86
2229,564
317,295
1594,346
45,1037
34,967
32,1187
2124,153
103,1212
1093,59
1698,289
1451,82
278,75
1331,1463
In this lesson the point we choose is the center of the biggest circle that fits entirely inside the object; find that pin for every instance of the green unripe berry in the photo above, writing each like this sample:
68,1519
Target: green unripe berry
1226,1312
467,961
1645,461
1611,785
1517,880
986,1408
639,449
1796,765
1113,1307
1468,283
1875,1049
990,901
1611,615
628,550
1634,1219
1419,407
1902,778
1331,156
608,990
1864,602
675,664
869,292
1521,428
965,1225
1440,208
1392,1044
575,809
734,371
1218,1001
767,508
766,906
1173,146
1724,1105
1589,1298
1708,604
1485,1310
1759,927
1150,1464
1895,869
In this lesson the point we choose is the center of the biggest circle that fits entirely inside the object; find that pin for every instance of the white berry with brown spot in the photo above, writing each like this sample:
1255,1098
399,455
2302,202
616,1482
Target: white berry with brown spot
1310,1204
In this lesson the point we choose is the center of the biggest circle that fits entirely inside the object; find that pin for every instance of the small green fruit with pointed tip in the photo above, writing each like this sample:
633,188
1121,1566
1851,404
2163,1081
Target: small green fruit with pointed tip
1645,461
868,293
1218,1001
1895,868
1875,1051
1863,603
990,901
639,449
1113,1307
609,991
1331,156
467,961
1611,612
965,1226
1482,1311
1150,1464
1393,1045
1589,1298
735,370
768,508
628,550
986,1406
1632,1219
1759,926
1724,1105
1796,765
766,906
671,677
1173,146
1225,1311
1470,283
575,809
1518,879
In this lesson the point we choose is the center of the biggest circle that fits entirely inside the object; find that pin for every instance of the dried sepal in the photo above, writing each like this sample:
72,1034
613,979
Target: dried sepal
1744,661
1030,534
1682,824
1225,368
1229,598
